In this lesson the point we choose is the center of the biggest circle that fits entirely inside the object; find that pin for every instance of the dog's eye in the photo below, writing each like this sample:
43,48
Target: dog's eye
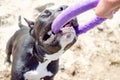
46,13
62,8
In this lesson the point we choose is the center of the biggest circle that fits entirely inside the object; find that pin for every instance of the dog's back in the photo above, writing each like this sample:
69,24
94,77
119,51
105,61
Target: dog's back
19,45
24,30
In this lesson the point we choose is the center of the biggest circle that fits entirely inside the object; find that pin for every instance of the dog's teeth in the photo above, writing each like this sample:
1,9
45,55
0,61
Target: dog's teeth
49,33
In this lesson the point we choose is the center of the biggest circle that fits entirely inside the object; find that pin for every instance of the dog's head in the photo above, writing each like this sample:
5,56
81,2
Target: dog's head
48,41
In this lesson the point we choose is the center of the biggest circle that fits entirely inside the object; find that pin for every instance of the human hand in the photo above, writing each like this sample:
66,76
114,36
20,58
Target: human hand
106,8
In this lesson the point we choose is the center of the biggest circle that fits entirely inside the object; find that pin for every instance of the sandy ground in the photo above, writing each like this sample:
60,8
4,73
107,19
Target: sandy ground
95,56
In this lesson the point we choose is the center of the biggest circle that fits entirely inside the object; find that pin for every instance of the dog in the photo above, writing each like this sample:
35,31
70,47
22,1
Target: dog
36,49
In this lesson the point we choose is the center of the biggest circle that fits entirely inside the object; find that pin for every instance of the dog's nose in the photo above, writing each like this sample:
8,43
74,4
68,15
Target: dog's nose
63,7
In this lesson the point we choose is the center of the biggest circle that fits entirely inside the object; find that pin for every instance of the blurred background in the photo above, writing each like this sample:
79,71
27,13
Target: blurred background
95,55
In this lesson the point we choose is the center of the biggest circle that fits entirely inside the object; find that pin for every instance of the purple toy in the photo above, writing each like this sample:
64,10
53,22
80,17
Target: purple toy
73,11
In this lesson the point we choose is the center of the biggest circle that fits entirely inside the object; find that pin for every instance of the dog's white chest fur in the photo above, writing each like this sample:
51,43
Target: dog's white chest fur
40,72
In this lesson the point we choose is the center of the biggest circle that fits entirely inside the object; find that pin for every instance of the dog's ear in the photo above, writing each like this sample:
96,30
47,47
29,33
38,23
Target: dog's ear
30,23
20,22
31,26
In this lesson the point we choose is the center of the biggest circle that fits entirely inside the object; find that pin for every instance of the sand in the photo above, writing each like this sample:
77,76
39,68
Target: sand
95,55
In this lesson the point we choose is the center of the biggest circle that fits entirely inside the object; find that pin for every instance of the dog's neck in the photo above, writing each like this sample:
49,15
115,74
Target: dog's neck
38,53
42,56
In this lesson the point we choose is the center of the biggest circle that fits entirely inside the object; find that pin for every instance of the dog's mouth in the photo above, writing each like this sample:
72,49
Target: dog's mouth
72,23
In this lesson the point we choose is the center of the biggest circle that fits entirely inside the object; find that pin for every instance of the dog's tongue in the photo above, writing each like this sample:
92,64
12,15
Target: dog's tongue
68,25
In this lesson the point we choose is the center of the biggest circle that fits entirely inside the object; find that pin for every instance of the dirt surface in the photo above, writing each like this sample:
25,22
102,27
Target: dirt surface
95,56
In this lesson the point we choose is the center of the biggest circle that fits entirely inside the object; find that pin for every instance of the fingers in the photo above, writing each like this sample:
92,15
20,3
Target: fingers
107,8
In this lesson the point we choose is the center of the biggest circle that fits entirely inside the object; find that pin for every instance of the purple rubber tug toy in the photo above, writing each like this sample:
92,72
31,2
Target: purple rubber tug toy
75,10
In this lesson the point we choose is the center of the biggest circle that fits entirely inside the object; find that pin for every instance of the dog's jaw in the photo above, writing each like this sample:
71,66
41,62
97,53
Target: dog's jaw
67,37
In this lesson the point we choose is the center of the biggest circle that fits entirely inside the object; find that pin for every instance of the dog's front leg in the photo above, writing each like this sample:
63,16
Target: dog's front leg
17,74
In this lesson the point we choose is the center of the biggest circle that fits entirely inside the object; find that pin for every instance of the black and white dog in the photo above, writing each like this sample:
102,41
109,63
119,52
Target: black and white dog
36,50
